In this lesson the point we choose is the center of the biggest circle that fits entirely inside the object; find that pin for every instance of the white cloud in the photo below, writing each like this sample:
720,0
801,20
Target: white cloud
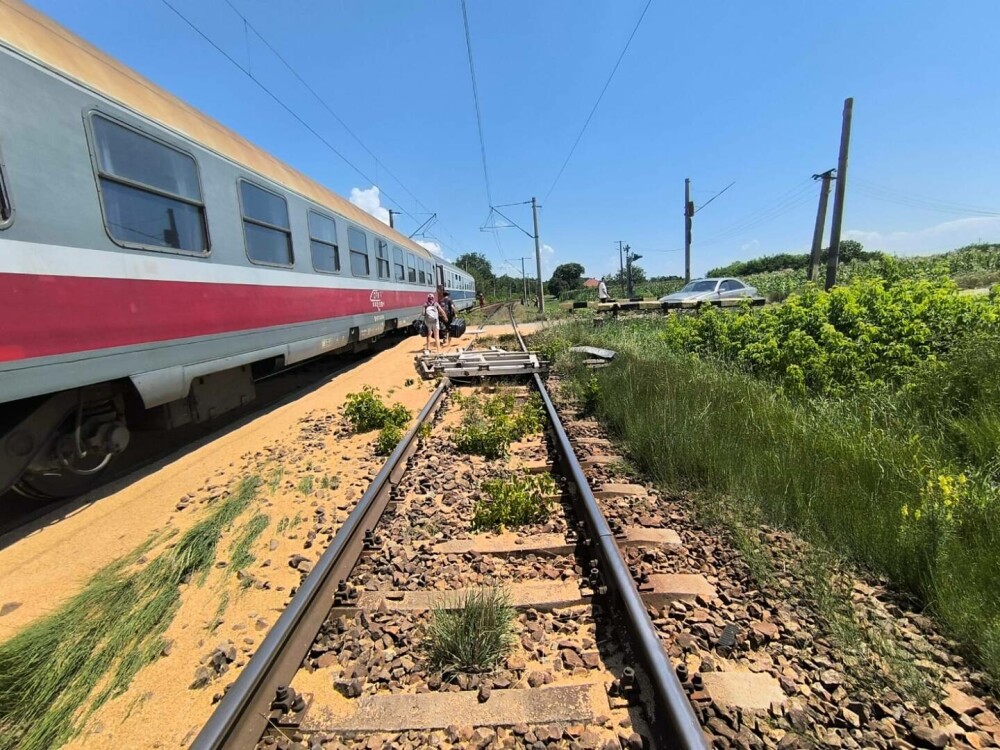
434,247
938,238
370,201
750,246
547,254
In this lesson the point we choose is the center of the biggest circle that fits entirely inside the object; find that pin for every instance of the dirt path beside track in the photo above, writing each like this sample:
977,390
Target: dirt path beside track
306,461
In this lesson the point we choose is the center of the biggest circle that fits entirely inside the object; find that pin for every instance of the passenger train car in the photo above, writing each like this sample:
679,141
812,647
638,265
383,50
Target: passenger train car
153,262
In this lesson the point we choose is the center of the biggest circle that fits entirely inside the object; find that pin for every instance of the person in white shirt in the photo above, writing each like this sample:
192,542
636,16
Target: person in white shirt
432,317
602,292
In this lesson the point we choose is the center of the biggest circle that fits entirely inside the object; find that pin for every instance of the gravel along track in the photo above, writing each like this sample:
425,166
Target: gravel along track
369,673
781,678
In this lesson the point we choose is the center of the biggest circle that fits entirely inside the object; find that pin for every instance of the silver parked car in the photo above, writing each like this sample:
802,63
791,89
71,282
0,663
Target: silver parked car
709,290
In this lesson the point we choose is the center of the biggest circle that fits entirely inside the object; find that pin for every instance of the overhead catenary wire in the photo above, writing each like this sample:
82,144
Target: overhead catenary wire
249,26
597,103
769,211
281,103
479,126
914,200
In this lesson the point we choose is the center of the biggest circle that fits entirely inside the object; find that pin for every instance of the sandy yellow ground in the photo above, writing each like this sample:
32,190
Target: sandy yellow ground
45,567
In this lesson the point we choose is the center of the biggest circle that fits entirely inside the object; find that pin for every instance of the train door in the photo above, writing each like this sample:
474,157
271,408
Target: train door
439,277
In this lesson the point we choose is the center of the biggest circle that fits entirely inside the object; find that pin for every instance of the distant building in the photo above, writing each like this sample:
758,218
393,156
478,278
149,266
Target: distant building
591,283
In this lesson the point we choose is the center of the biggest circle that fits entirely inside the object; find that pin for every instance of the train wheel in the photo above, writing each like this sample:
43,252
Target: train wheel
60,485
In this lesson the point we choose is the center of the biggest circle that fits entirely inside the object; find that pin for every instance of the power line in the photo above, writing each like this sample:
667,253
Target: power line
599,98
479,125
913,200
320,99
281,103
248,26
715,196
771,210
475,97
287,108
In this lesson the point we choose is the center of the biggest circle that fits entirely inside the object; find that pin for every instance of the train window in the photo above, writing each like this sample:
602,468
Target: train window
323,243
265,225
149,191
421,271
411,269
382,258
357,242
397,264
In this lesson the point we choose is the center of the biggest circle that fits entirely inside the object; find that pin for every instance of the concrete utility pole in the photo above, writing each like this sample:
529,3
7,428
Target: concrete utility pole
838,195
538,256
824,194
524,280
688,216
621,266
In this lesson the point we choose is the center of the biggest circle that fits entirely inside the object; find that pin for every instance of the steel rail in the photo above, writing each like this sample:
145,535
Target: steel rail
671,715
242,716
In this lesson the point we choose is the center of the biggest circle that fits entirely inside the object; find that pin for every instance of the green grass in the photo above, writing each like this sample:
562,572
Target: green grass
513,500
471,634
274,481
61,668
241,555
306,484
901,480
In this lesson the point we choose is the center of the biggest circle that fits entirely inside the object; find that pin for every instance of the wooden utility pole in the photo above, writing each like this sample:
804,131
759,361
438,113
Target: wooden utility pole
824,194
838,195
538,256
688,216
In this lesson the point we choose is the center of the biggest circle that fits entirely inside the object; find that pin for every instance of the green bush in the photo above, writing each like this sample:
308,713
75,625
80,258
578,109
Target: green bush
866,335
366,411
513,500
881,440
491,423
388,438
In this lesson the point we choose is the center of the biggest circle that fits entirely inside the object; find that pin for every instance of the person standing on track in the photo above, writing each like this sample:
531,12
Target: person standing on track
449,316
602,292
482,300
433,313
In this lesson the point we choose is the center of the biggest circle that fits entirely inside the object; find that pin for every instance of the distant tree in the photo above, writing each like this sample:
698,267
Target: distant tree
638,276
479,267
850,251
565,278
476,264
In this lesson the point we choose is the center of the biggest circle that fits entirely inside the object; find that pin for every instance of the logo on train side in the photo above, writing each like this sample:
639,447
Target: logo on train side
376,299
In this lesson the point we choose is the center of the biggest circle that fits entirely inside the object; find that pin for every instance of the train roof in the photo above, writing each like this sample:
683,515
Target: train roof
25,30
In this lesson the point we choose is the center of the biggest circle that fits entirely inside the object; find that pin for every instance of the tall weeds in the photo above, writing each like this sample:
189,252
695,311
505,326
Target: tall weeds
901,481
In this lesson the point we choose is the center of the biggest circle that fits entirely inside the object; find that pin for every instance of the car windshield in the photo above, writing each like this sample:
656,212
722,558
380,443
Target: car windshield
707,285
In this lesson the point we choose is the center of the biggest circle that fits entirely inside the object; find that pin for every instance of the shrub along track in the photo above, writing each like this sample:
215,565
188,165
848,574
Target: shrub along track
585,667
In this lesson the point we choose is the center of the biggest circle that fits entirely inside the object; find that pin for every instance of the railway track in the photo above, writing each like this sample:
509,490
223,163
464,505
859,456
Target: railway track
586,659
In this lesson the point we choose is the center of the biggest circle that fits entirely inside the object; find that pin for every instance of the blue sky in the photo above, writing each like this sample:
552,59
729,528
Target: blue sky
718,91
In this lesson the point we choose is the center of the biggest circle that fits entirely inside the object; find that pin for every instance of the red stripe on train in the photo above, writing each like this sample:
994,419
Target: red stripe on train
46,315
